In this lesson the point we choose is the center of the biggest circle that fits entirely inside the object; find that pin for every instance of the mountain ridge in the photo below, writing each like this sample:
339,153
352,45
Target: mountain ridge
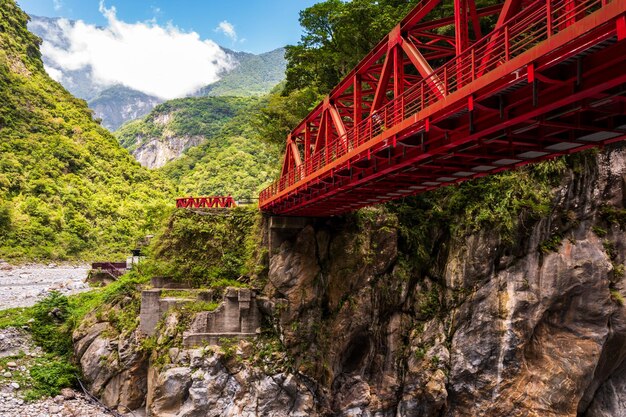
254,75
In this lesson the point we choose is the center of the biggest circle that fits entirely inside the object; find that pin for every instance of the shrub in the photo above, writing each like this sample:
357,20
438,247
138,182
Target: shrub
50,374
48,327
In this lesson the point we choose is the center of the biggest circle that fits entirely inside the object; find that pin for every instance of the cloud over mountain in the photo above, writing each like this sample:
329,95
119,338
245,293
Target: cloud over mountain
162,61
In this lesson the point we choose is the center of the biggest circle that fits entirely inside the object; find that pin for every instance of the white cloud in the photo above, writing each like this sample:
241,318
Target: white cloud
227,29
57,4
159,60
55,74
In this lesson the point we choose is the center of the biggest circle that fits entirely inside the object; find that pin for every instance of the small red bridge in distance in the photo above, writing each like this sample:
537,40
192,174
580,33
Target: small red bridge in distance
205,202
424,110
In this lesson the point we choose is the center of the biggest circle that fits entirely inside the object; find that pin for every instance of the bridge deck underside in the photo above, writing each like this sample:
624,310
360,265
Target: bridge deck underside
554,100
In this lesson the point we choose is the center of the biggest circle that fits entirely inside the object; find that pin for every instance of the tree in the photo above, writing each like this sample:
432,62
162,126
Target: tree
337,35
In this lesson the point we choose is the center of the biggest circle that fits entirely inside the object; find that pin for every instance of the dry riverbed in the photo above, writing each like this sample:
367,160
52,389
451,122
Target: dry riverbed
24,285
17,355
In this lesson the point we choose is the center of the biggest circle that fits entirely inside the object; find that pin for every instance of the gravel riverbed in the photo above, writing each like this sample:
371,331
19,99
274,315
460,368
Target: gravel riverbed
24,285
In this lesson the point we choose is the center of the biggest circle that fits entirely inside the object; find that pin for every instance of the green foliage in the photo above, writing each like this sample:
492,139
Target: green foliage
14,317
53,320
56,316
185,116
337,35
232,160
617,297
613,215
50,374
283,112
198,306
420,352
48,329
123,293
216,243
228,346
502,203
609,248
44,376
600,231
67,190
551,244
430,304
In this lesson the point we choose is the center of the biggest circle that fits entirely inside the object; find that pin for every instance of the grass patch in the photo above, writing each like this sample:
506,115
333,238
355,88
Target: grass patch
179,293
199,306
600,231
49,375
614,215
15,317
43,376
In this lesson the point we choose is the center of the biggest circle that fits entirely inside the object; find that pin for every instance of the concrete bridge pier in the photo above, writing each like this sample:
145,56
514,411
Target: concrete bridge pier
283,228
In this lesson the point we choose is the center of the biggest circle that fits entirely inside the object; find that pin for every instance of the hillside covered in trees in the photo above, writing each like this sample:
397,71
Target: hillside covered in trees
230,156
67,189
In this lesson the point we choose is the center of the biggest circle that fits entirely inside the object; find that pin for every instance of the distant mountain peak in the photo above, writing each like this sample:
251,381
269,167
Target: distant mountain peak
255,75
252,75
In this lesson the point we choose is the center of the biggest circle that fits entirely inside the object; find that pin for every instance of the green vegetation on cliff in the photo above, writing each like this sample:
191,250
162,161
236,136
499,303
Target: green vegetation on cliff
236,161
67,189
215,249
182,117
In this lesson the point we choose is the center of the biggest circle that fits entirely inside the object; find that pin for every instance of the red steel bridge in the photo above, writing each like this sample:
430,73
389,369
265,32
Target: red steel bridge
424,109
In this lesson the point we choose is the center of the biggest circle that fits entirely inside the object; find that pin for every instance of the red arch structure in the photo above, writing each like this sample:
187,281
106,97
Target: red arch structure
424,110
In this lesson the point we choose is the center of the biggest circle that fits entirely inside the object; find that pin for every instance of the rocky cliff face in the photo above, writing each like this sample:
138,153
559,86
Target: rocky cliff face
118,104
486,327
156,152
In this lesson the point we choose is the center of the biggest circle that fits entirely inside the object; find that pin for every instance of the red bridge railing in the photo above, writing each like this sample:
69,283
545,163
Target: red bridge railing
206,202
535,24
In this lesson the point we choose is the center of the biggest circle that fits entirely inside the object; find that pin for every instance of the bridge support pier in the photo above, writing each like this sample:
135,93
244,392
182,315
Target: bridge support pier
284,228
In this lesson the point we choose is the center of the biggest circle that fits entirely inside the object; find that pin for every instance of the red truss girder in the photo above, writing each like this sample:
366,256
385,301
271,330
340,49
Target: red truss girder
548,80
205,202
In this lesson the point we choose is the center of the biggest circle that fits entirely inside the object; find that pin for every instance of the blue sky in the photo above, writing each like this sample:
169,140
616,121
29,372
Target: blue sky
246,25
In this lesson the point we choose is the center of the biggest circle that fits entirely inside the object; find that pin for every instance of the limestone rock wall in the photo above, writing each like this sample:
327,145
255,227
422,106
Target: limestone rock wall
490,329
205,383
156,152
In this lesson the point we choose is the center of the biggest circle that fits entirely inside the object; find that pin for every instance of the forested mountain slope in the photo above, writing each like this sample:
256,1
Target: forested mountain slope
67,189
254,75
206,145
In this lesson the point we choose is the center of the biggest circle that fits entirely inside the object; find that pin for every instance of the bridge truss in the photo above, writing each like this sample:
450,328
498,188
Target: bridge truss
424,110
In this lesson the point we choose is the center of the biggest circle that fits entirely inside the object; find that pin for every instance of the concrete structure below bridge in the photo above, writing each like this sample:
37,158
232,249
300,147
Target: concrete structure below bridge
282,228
237,316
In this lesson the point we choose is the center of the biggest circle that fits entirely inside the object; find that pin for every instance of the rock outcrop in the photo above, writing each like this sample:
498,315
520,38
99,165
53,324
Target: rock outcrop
485,327
204,382
491,328
156,152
